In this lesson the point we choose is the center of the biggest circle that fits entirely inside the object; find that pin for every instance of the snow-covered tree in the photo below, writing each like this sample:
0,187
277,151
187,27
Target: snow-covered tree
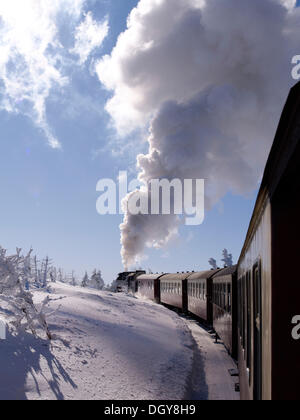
53,275
112,287
213,263
96,281
85,280
227,258
45,270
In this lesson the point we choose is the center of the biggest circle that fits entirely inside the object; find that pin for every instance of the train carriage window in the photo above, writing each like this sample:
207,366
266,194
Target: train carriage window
239,305
257,331
244,311
229,298
222,295
248,320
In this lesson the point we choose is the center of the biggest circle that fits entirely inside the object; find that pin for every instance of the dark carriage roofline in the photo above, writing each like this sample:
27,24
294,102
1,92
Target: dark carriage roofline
281,152
175,276
151,276
226,271
208,274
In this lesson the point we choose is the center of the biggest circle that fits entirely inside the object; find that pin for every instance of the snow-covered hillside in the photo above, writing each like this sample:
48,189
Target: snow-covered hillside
107,346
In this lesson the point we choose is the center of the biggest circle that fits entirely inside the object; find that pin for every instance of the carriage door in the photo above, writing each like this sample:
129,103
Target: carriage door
257,311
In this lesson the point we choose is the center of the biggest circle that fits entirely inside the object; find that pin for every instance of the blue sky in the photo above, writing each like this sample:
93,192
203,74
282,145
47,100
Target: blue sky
49,195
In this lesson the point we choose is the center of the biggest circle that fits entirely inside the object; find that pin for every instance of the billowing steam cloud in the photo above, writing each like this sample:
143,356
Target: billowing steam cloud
212,77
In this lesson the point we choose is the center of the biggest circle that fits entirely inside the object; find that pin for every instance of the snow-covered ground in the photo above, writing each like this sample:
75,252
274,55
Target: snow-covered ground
106,346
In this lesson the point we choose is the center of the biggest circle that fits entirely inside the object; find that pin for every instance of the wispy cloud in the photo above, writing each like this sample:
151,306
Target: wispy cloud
90,35
33,61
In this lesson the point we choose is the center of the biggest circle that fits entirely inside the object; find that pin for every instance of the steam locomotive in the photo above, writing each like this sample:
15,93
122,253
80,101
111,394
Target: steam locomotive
252,305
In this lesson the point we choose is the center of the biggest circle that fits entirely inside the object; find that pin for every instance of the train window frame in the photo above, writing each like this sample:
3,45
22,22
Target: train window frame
229,298
257,270
249,292
239,283
243,303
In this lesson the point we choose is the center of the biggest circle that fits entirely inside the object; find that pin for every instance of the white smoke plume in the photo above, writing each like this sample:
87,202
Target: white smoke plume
211,77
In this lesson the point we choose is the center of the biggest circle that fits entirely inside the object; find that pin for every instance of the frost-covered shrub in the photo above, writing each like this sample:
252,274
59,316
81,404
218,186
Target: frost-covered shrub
16,302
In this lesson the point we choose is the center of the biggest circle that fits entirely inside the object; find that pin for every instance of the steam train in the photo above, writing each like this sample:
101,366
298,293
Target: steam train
251,305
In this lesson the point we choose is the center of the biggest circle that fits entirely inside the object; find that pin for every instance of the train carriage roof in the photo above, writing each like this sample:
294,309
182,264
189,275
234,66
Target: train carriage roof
200,275
226,271
149,277
284,149
175,277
